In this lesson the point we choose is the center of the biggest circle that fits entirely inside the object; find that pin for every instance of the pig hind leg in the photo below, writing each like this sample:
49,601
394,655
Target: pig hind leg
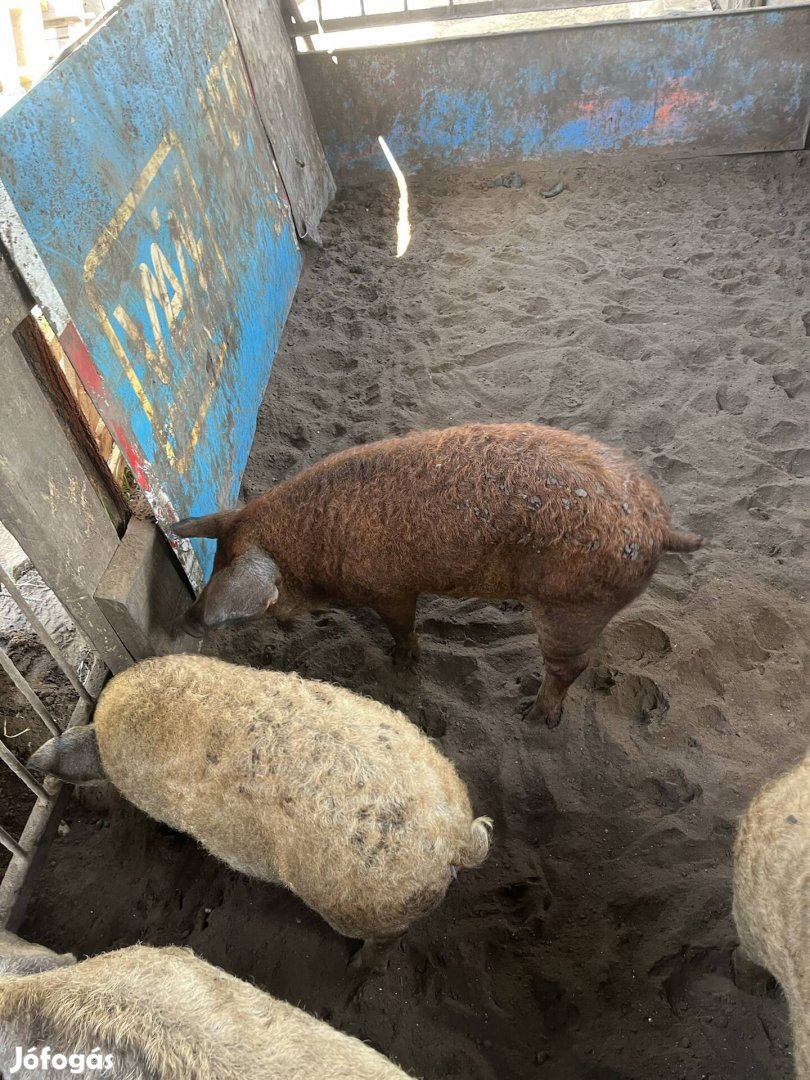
399,616
566,639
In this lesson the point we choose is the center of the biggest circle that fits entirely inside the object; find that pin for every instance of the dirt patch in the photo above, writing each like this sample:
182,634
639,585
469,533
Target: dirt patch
661,307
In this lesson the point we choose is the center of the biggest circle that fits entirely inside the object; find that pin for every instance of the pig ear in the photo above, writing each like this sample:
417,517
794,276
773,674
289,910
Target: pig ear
72,756
212,525
241,591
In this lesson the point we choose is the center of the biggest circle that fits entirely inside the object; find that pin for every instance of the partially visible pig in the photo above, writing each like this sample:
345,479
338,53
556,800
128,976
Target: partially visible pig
336,796
161,1014
554,519
772,899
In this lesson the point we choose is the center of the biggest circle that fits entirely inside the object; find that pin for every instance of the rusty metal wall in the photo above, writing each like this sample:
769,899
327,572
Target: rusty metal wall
719,83
140,199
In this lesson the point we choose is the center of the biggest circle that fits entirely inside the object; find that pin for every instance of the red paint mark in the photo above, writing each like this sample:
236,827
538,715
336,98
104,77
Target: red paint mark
78,355
676,104
133,457
80,358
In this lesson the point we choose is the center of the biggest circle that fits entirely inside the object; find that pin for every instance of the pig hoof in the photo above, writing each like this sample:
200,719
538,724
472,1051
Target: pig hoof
366,964
554,718
404,657
539,714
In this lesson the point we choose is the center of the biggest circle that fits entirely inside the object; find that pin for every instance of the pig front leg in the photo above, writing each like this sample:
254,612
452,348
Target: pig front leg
399,616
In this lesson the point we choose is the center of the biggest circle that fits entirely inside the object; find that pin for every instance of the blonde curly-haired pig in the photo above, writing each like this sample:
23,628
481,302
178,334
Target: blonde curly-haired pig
335,796
772,898
162,1014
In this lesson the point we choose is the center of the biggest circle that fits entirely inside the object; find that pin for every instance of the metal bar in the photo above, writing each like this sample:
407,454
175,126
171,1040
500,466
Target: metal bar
11,844
20,770
30,696
473,9
44,636
18,881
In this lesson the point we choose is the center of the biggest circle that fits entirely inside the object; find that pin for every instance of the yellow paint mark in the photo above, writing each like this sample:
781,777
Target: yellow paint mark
221,108
125,211
155,287
201,206
157,281
182,464
134,334
100,250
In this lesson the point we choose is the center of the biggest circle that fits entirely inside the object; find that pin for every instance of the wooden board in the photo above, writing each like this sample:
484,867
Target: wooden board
142,593
47,502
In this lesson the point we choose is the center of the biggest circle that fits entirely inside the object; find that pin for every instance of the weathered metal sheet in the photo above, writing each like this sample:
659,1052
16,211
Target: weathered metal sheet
140,170
284,110
728,82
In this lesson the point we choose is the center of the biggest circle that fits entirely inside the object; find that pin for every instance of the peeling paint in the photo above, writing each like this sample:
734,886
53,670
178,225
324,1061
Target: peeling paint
724,83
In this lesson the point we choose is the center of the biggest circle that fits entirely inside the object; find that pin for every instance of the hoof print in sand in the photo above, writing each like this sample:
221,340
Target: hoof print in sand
709,716
795,462
682,973
432,720
730,400
671,469
793,382
762,502
640,640
632,697
770,631
529,685
555,1007
671,793
525,901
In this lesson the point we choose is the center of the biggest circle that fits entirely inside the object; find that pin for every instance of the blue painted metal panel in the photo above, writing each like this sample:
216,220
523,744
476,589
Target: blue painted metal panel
142,174
720,83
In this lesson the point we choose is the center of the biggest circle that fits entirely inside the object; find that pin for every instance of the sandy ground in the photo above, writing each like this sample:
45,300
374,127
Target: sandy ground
664,308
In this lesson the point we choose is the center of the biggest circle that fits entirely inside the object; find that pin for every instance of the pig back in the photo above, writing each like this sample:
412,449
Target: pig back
337,797
488,510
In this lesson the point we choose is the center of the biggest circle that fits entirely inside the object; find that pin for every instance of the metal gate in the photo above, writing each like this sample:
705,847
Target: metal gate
142,210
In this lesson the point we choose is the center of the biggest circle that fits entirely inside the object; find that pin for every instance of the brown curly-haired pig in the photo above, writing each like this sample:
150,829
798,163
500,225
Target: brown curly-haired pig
162,1014
772,899
553,519
335,796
